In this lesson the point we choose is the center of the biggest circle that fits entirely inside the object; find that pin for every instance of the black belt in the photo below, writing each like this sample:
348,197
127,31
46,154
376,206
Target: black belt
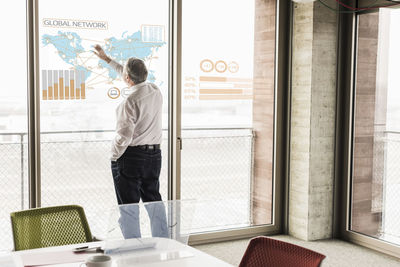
148,147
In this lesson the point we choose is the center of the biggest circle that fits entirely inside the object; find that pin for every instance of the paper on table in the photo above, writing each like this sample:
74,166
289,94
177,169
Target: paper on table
55,257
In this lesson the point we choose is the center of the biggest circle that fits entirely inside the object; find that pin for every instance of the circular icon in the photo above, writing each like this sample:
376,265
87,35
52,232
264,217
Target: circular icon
113,93
233,67
220,66
206,65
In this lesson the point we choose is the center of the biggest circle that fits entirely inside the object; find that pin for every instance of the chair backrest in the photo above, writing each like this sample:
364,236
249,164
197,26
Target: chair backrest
51,226
264,251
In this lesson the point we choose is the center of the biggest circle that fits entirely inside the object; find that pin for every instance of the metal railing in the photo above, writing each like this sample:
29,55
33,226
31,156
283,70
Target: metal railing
391,187
75,169
385,185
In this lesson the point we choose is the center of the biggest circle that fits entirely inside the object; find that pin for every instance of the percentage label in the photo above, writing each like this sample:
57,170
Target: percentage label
220,66
206,65
233,67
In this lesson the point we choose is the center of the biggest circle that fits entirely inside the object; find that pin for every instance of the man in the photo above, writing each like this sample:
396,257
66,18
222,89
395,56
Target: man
135,152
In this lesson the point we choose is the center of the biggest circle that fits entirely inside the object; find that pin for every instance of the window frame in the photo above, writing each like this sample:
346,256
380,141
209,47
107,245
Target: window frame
345,124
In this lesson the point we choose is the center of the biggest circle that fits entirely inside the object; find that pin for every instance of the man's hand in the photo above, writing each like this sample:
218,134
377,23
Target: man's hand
101,54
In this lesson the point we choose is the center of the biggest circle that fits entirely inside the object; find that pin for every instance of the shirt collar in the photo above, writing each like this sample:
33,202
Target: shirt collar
137,86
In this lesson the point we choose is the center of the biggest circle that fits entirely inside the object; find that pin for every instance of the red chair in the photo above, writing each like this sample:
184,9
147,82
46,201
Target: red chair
264,251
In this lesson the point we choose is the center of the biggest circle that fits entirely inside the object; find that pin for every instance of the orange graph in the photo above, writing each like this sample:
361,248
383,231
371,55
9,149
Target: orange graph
63,85
225,88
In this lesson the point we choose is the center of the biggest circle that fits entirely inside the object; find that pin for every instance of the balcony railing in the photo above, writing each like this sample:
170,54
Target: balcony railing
216,165
380,193
391,187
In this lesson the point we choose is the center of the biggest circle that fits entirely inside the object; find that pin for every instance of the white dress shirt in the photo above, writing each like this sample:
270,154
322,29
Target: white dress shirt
139,117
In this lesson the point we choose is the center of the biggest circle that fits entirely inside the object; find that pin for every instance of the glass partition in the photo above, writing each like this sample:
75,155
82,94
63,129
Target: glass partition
139,232
173,219
166,219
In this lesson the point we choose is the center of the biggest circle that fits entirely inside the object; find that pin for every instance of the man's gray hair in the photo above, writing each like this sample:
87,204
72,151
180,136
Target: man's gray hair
136,70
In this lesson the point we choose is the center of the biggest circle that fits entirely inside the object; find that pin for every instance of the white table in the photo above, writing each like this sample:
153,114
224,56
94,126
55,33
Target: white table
179,255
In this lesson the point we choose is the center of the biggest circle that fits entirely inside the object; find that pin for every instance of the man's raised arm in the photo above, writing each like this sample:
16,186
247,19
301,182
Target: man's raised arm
102,55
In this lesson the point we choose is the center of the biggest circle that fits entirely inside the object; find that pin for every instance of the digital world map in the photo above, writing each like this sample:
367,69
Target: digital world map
76,51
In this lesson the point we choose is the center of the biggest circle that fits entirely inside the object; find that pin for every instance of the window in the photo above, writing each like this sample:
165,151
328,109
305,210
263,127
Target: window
228,112
376,142
13,116
80,92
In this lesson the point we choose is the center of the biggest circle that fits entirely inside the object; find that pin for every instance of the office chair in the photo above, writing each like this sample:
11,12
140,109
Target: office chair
264,251
51,226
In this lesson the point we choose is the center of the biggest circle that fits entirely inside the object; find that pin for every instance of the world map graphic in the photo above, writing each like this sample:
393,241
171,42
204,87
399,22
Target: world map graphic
77,52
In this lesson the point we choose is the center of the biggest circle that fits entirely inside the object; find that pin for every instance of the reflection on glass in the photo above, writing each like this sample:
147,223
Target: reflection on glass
165,219
174,219
375,182
129,220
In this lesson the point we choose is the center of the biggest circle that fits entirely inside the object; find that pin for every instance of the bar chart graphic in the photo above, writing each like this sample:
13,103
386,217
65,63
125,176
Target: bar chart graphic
63,85
225,88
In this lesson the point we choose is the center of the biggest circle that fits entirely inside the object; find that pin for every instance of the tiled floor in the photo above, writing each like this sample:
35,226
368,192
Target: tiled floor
338,253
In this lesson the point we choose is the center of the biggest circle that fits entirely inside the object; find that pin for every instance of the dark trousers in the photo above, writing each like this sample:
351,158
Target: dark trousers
136,176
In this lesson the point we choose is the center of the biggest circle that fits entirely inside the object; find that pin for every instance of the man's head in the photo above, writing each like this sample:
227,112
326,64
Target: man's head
135,71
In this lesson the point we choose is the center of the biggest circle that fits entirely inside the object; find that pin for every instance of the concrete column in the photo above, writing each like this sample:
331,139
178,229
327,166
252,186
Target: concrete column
312,121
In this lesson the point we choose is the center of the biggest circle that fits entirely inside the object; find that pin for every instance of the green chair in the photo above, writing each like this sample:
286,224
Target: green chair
51,226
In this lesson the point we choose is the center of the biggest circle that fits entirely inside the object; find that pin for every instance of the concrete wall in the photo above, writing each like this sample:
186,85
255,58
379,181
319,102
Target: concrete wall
312,121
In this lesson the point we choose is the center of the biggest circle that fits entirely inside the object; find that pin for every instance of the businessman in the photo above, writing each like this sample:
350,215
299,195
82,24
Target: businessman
135,151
